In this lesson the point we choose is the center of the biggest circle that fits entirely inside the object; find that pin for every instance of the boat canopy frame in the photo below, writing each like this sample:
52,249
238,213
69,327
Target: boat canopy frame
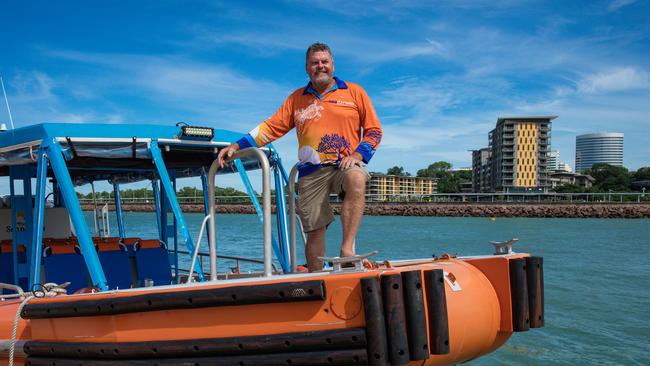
74,156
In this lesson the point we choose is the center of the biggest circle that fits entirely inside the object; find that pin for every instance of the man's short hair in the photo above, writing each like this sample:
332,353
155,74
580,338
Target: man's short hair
316,47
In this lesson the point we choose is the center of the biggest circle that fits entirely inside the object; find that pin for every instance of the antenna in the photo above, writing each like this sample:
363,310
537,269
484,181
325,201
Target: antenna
7,102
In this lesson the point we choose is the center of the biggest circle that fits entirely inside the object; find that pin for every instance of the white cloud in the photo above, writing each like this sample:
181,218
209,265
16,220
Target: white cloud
184,89
36,96
615,80
617,4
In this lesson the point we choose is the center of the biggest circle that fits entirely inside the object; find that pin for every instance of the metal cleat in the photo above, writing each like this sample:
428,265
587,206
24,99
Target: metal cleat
354,263
503,247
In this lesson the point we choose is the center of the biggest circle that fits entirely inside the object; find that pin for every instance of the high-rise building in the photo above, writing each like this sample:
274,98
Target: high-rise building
553,160
481,170
596,148
564,167
516,159
519,153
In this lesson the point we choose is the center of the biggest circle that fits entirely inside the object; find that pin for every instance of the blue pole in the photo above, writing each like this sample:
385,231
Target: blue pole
256,204
249,187
55,155
281,213
37,231
156,200
173,201
118,210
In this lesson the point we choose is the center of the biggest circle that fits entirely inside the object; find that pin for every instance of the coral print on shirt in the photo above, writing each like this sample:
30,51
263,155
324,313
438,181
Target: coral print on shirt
329,127
312,112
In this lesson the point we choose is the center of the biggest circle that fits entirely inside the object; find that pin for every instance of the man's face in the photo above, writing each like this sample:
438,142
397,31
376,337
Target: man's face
320,67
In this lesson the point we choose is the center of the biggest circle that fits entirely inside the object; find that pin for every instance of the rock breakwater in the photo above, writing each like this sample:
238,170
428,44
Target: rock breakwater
581,210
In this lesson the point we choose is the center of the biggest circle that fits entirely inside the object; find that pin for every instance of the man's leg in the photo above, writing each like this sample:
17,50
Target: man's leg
315,248
354,186
315,212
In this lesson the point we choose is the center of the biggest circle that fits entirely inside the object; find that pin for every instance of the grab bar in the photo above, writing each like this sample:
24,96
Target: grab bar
196,249
293,218
266,208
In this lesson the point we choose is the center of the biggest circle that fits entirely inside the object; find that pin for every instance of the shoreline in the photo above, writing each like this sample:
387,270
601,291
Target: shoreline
550,210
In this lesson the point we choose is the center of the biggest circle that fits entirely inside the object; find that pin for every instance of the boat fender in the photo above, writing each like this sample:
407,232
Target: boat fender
416,318
375,324
394,313
535,282
434,287
190,298
519,295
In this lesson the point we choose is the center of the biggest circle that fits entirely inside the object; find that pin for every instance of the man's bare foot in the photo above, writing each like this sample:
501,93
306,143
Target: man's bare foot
345,253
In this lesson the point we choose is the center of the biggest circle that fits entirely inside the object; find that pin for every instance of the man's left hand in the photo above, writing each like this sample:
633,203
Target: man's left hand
349,161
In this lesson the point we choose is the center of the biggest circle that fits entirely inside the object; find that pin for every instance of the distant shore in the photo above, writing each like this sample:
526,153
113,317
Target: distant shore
578,210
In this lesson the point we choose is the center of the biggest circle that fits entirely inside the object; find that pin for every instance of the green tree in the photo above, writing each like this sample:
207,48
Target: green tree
641,174
448,181
438,169
610,177
398,171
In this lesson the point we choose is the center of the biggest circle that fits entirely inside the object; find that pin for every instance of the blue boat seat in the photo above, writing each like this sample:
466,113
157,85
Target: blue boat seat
152,262
115,262
63,262
7,264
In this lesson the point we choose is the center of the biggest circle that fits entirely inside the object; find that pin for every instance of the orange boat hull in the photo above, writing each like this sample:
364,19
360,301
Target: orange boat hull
479,309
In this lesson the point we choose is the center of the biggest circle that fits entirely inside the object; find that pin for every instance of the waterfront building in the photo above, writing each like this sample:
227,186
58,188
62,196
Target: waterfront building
518,155
596,148
559,178
381,187
564,167
519,150
553,160
481,170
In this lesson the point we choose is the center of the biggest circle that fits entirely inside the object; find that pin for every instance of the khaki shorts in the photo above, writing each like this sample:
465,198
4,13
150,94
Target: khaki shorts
314,195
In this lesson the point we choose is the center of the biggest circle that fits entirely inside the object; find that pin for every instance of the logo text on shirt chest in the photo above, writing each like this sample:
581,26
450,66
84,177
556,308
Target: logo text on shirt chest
342,103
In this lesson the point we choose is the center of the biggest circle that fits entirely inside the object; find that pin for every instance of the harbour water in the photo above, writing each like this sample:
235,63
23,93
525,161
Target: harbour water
597,274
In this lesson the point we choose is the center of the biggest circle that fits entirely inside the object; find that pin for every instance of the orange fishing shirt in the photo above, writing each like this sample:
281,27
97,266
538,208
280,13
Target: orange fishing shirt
329,127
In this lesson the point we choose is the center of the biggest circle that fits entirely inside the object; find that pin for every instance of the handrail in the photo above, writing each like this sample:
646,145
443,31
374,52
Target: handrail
292,217
266,208
228,257
196,249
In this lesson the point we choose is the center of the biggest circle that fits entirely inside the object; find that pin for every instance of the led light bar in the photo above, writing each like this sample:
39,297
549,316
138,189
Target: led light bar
197,133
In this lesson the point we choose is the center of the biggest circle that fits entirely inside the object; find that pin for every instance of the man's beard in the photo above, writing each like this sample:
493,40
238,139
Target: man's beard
322,79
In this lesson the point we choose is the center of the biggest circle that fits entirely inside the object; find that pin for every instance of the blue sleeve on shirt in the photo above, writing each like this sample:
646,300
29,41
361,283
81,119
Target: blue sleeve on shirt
246,141
366,151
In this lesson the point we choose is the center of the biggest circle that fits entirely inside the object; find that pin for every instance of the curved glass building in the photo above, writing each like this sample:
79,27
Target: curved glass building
598,148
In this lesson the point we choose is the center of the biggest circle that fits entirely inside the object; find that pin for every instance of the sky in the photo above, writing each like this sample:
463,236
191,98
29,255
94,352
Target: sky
439,73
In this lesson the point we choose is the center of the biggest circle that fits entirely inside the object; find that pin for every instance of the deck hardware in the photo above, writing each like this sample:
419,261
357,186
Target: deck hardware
503,247
338,263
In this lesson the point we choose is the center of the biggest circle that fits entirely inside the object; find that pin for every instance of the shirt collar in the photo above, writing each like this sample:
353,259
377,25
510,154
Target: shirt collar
339,84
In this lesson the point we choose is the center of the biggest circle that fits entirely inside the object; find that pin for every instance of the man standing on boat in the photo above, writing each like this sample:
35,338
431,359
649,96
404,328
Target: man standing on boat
338,132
